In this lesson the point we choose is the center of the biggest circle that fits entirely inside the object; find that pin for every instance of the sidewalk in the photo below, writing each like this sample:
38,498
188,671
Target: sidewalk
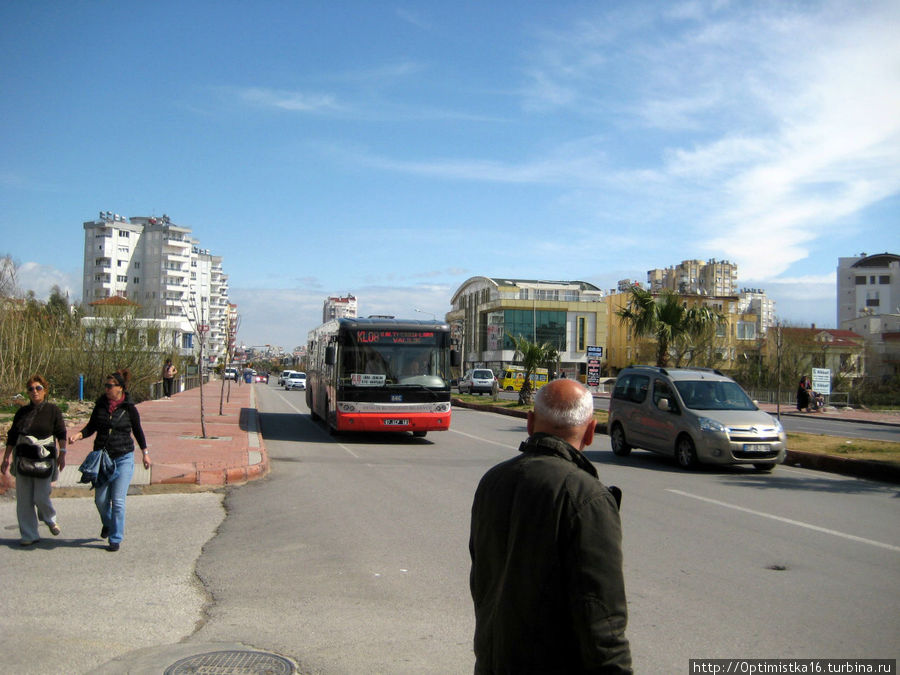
839,413
232,452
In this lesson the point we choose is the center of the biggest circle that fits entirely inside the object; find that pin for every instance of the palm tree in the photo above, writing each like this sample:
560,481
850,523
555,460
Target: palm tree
532,356
667,319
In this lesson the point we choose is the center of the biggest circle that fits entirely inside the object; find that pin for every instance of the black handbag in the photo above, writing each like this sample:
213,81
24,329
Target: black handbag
34,459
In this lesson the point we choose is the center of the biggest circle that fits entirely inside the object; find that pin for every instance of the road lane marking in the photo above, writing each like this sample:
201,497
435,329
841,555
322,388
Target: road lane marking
798,523
303,412
483,440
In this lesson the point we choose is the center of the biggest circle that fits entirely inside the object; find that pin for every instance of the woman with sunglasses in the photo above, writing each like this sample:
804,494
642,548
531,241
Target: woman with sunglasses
115,419
38,425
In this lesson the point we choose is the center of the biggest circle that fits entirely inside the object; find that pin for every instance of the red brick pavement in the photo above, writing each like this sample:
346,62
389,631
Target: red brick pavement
232,451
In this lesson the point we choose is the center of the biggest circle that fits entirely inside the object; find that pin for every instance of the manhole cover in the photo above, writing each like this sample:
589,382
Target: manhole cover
230,662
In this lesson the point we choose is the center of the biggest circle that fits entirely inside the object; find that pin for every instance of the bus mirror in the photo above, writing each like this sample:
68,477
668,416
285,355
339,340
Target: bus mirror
329,356
454,357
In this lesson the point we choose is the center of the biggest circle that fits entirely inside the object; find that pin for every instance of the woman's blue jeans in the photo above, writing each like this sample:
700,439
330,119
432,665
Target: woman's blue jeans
110,498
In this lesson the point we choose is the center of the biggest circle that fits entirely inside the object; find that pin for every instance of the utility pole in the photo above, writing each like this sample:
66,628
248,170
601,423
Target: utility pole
779,341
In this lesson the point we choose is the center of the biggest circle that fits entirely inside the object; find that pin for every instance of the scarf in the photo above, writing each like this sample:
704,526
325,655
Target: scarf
115,404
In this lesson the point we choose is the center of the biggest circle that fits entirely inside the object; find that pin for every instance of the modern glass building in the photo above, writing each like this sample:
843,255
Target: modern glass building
487,312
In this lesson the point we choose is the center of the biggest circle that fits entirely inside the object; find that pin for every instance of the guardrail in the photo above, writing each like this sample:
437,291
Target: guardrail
841,398
182,383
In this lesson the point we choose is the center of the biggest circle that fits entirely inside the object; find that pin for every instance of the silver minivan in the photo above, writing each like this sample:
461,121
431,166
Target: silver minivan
694,415
477,381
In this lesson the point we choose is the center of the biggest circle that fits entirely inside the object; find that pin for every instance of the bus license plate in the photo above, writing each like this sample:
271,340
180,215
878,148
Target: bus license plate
397,423
757,447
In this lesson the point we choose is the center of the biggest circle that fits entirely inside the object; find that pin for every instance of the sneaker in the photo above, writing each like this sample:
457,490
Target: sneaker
112,547
54,528
104,532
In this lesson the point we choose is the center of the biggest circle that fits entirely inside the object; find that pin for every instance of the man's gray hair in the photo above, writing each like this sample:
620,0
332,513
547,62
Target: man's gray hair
564,412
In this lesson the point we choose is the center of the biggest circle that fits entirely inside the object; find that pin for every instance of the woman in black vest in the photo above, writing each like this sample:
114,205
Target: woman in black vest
115,419
39,421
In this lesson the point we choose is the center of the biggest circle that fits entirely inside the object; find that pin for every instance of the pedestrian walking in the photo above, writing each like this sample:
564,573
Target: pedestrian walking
115,420
168,374
546,548
36,453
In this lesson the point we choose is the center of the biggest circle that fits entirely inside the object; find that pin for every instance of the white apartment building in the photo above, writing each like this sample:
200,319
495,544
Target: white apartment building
755,301
868,285
341,307
160,266
868,303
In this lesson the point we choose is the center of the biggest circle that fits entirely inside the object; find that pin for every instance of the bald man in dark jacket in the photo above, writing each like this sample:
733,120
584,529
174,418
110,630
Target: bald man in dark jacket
546,547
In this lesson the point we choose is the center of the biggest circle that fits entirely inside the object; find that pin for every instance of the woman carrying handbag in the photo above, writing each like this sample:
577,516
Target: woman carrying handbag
115,419
32,441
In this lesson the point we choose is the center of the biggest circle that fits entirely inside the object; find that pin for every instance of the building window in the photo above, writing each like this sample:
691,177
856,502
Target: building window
124,234
746,330
535,326
137,280
581,333
860,281
884,279
122,278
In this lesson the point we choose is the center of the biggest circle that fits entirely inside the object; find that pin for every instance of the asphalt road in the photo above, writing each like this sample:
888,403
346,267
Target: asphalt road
351,557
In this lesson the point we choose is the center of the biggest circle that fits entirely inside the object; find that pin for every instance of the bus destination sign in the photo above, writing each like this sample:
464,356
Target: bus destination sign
395,337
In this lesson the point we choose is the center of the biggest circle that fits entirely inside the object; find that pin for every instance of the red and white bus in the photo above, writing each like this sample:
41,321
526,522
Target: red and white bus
380,374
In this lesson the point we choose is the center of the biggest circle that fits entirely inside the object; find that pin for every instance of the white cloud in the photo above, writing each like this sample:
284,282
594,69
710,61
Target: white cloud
41,279
293,101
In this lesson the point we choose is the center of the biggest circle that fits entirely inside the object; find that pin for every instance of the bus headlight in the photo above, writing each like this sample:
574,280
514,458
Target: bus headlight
345,407
441,407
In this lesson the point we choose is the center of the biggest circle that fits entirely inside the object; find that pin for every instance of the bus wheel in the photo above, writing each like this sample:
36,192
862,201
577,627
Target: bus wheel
419,434
510,389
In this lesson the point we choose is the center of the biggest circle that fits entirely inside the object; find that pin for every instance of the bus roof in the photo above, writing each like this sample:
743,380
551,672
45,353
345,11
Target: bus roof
376,323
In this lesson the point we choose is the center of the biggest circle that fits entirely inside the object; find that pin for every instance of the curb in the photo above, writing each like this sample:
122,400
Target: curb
846,466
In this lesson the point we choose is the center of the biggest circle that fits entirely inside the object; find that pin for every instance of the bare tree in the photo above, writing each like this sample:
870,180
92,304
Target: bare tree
230,334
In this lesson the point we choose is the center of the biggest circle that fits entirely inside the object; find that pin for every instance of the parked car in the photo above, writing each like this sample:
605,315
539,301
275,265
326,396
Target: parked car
230,374
295,380
693,415
477,381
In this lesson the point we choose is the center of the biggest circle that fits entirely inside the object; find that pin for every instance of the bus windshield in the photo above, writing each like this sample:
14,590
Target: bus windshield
376,358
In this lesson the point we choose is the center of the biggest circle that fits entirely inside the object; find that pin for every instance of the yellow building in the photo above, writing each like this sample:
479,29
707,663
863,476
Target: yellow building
725,347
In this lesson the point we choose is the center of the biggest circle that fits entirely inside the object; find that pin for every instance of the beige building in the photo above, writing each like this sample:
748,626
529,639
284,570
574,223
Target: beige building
571,315
713,277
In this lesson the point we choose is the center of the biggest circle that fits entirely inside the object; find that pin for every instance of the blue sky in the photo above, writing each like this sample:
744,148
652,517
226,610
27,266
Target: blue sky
394,149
